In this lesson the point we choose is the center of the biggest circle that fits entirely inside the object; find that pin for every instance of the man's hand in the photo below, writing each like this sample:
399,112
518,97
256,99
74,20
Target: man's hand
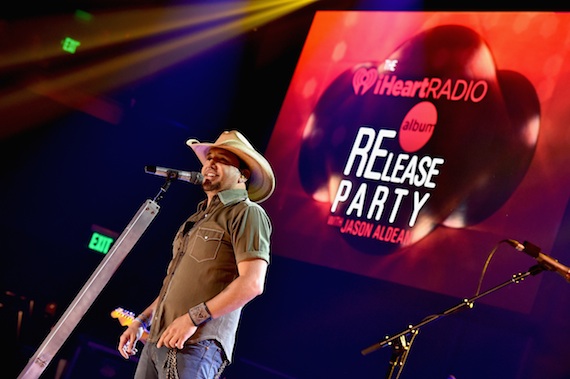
129,339
177,333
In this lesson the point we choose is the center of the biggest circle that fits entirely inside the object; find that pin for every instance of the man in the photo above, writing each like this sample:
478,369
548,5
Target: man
219,264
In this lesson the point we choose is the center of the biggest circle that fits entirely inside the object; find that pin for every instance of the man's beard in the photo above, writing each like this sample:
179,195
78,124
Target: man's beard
208,186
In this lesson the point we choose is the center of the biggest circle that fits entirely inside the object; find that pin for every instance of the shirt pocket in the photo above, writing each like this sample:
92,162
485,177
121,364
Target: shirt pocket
206,244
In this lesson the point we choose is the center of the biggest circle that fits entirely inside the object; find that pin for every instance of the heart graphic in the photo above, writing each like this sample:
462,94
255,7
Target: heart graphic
363,79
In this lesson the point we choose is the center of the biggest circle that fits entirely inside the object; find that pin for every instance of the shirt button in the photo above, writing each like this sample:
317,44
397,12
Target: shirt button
205,237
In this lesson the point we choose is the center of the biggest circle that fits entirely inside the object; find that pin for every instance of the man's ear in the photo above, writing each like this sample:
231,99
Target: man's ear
245,173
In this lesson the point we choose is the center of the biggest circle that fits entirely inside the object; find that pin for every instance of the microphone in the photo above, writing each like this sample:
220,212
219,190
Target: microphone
186,176
544,260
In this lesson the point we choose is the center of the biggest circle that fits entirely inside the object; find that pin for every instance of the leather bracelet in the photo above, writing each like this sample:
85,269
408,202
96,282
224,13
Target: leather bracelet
200,314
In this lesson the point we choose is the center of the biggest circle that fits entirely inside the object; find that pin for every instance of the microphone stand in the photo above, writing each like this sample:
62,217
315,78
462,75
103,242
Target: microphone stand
401,345
87,295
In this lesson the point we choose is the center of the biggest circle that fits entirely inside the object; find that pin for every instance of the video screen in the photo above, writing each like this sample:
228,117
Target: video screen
411,146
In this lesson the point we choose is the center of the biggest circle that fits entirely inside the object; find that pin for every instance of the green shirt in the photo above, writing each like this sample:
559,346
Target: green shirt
206,250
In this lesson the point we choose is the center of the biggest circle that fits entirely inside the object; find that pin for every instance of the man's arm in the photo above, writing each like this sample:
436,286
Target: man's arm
249,284
134,331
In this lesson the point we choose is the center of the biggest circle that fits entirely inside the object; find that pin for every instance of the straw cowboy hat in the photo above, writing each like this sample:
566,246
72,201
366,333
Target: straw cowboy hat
261,181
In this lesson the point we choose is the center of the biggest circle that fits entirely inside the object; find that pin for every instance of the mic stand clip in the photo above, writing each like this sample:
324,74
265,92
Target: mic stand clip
171,176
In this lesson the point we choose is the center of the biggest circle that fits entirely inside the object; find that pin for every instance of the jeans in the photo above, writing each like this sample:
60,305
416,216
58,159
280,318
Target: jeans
203,360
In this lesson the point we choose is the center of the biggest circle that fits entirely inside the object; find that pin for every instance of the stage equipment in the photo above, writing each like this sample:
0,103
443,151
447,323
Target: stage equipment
91,289
546,261
190,177
401,343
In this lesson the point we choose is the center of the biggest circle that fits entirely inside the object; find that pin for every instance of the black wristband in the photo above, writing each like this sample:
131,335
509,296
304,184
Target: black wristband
200,314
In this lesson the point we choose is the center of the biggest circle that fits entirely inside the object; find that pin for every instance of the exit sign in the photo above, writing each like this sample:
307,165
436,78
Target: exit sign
100,242
70,45
101,239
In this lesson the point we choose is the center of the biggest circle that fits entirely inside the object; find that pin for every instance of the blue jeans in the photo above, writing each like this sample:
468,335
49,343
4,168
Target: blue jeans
203,360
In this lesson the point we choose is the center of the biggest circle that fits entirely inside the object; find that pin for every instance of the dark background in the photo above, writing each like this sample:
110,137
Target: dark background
71,170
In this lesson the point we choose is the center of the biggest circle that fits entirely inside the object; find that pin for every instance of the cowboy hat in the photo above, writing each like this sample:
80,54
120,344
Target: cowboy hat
261,181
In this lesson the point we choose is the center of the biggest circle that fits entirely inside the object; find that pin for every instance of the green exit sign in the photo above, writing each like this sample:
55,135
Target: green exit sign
70,45
100,242
101,239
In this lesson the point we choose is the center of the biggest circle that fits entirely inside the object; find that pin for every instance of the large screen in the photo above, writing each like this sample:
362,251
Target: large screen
411,145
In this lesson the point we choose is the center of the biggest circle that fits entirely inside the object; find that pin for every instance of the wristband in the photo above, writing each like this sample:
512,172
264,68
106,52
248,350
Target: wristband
143,319
200,314
143,324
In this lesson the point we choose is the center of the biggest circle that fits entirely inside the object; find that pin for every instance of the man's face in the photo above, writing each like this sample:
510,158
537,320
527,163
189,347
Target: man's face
221,171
